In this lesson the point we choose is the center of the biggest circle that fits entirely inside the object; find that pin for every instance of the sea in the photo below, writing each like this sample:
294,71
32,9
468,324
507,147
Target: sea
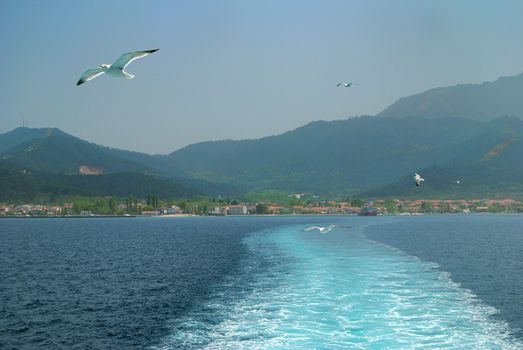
385,282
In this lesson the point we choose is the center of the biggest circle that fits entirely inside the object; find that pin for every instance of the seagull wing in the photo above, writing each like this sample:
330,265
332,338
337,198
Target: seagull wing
418,180
89,74
127,58
340,84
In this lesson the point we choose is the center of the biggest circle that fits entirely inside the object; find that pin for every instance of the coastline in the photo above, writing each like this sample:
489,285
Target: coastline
171,216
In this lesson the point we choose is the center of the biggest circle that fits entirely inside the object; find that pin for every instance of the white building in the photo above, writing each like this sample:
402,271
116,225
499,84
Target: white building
218,211
173,210
151,212
237,210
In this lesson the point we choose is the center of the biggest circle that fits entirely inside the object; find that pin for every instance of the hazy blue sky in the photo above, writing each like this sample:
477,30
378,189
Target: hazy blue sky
239,69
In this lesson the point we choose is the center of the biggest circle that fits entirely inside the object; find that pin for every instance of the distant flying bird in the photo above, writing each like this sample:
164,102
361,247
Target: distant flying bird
321,229
347,84
418,179
116,69
458,182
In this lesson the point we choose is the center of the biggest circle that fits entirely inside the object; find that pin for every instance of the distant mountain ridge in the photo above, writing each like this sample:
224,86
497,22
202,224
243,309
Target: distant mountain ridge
480,102
18,184
346,156
491,172
355,155
53,150
50,155
20,135
444,133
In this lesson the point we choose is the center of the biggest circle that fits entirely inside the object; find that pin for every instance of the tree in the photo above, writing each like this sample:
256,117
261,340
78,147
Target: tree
112,206
357,203
295,202
262,208
390,205
426,207
154,201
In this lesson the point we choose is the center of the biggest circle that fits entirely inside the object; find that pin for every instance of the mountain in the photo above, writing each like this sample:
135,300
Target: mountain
345,155
20,135
368,155
445,133
49,153
493,172
19,184
480,102
52,150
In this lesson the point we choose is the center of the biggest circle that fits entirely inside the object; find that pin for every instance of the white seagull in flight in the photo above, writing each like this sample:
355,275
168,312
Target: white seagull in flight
116,69
418,179
347,84
321,229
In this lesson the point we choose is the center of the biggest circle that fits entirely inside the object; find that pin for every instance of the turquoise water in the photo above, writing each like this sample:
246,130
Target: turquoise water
303,290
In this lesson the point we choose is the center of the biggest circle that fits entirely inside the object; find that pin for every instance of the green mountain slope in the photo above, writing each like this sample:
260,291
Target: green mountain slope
353,154
493,172
18,184
479,102
55,151
20,135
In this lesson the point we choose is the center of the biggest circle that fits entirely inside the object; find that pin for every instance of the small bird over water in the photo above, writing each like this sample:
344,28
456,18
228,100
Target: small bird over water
418,179
347,84
116,69
321,229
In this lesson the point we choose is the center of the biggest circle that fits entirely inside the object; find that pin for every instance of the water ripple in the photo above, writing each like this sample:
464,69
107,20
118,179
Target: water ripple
338,292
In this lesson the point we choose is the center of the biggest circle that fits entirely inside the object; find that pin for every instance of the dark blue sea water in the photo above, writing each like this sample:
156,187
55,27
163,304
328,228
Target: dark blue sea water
264,282
484,253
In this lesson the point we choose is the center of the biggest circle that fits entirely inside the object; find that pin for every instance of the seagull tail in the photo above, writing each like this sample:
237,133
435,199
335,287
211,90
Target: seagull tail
128,76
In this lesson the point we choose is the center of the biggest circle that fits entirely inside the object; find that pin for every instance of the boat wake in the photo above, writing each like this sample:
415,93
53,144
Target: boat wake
336,291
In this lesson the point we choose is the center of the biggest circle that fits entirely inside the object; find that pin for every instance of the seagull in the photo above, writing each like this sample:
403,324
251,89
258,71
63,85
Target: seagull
458,182
321,229
116,69
347,84
418,179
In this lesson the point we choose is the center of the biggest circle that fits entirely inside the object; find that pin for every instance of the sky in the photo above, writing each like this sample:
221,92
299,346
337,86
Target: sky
239,69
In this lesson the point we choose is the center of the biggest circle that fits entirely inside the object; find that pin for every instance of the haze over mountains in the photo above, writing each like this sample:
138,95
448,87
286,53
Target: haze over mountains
445,133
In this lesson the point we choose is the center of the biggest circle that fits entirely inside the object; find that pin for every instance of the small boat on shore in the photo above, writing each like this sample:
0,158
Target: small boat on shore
368,211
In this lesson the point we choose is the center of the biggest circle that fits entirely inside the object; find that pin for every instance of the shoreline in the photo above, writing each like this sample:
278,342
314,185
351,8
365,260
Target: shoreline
171,216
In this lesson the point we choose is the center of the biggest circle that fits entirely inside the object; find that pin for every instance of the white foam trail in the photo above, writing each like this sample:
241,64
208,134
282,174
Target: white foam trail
355,294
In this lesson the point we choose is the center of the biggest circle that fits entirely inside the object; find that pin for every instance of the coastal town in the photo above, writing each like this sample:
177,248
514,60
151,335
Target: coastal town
227,208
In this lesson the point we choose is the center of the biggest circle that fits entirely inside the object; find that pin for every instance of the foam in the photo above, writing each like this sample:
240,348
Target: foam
297,292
